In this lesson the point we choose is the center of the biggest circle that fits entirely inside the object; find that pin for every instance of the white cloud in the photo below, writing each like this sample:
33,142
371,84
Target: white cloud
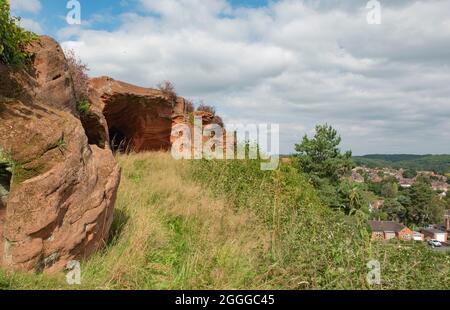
30,6
31,25
384,86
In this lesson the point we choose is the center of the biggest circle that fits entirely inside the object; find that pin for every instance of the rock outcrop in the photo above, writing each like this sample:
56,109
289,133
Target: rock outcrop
58,175
58,182
137,119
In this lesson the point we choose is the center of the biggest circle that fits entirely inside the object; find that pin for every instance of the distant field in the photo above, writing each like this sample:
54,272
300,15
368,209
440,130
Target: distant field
438,163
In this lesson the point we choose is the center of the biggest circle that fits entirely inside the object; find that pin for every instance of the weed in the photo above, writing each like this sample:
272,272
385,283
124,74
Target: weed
83,106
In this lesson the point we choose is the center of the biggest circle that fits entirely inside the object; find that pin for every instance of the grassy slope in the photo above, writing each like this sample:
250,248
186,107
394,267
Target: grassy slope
228,225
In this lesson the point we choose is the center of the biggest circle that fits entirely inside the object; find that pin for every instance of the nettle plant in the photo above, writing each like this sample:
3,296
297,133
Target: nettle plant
13,38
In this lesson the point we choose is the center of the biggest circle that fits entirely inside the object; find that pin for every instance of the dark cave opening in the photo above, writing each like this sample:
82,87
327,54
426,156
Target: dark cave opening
118,140
5,187
94,130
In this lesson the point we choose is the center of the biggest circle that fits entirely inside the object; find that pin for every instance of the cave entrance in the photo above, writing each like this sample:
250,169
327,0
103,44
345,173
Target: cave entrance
5,187
118,140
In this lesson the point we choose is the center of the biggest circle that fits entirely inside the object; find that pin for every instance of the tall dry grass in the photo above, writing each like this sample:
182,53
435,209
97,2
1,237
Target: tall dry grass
229,225
168,233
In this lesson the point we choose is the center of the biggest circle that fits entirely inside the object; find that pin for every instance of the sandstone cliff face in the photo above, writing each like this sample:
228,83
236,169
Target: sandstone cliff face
137,119
57,187
58,176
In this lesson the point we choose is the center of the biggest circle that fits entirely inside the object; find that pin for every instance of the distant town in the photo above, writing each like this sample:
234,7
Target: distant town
392,183
439,183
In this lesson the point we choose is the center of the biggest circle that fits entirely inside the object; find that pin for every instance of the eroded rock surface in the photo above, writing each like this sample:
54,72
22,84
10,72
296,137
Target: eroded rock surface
137,119
60,200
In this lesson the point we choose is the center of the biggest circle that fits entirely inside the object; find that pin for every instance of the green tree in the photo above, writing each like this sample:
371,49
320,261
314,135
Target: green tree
321,157
438,207
424,206
13,39
353,196
389,189
394,209
409,173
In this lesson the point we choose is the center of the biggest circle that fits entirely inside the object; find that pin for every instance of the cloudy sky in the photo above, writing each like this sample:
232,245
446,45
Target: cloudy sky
385,87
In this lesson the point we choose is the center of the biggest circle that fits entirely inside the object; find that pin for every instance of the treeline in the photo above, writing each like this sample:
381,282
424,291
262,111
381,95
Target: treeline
329,170
438,163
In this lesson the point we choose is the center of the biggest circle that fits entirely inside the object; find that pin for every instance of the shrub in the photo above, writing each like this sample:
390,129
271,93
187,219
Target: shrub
78,70
189,107
13,39
83,106
168,90
313,246
206,108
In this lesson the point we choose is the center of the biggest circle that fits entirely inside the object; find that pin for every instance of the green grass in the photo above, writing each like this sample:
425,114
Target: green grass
83,106
311,245
229,225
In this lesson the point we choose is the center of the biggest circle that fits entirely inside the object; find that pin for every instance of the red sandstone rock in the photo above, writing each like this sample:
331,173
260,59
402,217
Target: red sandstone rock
139,118
62,194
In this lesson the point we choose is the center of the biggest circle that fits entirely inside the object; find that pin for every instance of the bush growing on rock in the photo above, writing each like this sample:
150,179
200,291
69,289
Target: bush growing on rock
78,70
206,108
168,90
13,39
83,106
189,107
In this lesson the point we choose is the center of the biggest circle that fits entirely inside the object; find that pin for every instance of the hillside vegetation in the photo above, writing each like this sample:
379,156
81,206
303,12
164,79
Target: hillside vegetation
13,39
438,163
229,225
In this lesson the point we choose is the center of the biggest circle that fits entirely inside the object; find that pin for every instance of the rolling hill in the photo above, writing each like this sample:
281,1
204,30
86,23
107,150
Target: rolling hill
438,163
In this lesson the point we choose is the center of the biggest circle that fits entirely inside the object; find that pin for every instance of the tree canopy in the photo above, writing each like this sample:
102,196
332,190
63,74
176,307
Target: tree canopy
13,39
321,156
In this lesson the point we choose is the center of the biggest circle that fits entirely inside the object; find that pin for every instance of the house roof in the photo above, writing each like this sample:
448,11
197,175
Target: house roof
386,226
433,230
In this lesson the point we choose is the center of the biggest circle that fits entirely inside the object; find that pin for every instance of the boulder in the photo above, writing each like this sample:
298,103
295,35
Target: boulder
59,186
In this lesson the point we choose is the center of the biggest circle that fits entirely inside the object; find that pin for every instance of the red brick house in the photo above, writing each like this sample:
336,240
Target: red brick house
435,234
385,230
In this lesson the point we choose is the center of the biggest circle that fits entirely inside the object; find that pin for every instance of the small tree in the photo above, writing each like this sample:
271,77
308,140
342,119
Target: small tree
168,90
321,157
423,205
394,209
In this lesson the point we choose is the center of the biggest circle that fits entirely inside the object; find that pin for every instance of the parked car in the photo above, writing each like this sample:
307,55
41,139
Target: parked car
434,243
